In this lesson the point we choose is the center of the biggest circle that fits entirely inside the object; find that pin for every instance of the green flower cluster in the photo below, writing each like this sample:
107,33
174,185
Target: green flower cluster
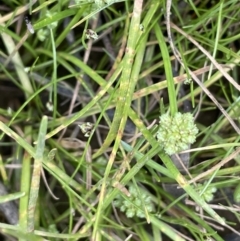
43,33
176,132
208,193
130,205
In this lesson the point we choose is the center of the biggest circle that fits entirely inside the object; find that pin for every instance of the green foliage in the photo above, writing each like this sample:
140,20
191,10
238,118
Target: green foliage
208,194
117,75
134,205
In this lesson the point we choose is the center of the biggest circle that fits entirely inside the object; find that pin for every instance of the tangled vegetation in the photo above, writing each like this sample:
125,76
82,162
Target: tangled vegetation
119,120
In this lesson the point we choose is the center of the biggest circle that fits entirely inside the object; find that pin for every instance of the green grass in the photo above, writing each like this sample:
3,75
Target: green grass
117,183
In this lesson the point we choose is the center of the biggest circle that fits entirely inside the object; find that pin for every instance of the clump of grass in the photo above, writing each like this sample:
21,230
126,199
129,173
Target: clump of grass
130,72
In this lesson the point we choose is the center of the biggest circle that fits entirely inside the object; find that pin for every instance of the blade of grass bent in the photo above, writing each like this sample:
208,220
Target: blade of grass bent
36,173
